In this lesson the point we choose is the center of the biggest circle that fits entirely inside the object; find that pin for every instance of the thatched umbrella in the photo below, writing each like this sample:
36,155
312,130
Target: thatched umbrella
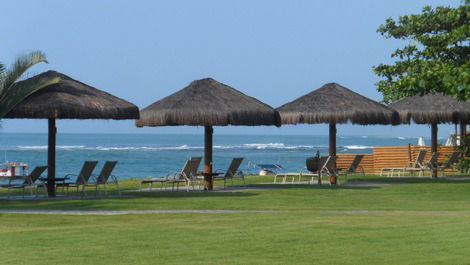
433,109
333,103
69,99
208,103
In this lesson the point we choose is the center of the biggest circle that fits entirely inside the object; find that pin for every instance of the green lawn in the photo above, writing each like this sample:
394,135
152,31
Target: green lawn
420,221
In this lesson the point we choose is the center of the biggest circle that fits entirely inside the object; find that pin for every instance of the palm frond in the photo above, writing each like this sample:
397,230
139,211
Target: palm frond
19,67
2,74
18,92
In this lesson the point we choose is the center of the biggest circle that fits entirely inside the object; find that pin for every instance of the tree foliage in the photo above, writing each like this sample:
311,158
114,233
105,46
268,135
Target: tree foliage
12,92
437,57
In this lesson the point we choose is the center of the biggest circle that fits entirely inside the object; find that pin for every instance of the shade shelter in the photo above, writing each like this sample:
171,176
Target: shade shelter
208,103
433,109
333,104
69,99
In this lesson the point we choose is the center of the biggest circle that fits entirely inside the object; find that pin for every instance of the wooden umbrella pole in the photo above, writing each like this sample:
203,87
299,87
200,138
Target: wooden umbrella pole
318,170
434,144
410,163
332,148
208,131
463,132
51,146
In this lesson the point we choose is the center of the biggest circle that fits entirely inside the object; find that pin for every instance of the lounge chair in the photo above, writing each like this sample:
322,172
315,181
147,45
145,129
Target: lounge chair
317,167
354,168
328,168
232,172
193,174
314,165
270,169
103,177
449,162
81,179
418,165
432,164
27,181
186,176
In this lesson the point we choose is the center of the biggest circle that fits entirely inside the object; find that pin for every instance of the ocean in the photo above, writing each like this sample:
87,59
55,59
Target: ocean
144,155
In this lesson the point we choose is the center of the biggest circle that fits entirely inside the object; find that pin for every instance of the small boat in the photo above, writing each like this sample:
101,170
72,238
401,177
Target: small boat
11,169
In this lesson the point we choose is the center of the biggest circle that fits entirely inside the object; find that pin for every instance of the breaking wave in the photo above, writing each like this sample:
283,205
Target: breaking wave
44,147
252,146
357,147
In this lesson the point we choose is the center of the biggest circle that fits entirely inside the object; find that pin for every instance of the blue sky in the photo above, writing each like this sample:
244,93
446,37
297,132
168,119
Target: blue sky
145,50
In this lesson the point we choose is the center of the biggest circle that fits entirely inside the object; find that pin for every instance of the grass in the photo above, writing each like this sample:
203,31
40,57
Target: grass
422,221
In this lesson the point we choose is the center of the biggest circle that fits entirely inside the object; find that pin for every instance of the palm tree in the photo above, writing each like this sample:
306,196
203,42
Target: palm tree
11,92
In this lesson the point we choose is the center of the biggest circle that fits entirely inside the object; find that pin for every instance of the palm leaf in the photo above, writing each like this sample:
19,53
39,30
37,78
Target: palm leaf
2,73
19,67
19,91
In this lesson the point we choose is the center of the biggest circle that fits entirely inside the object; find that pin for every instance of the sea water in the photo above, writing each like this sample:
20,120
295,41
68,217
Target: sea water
144,155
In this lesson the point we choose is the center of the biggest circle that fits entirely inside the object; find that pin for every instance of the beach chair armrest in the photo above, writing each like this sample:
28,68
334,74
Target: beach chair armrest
302,170
175,174
93,178
114,178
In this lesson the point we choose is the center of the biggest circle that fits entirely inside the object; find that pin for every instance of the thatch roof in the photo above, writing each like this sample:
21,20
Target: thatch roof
207,102
72,99
432,108
333,103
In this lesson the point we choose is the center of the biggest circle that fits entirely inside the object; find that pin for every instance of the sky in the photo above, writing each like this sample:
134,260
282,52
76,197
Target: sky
143,51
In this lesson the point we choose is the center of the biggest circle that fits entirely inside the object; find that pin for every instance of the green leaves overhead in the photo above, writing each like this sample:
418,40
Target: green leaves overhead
12,93
437,58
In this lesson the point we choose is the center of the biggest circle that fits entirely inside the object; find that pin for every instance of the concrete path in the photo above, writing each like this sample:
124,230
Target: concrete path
77,212
216,189
339,212
61,197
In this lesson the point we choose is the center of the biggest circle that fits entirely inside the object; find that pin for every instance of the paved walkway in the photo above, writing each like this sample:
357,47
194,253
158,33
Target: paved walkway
340,212
77,212
216,189
61,197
